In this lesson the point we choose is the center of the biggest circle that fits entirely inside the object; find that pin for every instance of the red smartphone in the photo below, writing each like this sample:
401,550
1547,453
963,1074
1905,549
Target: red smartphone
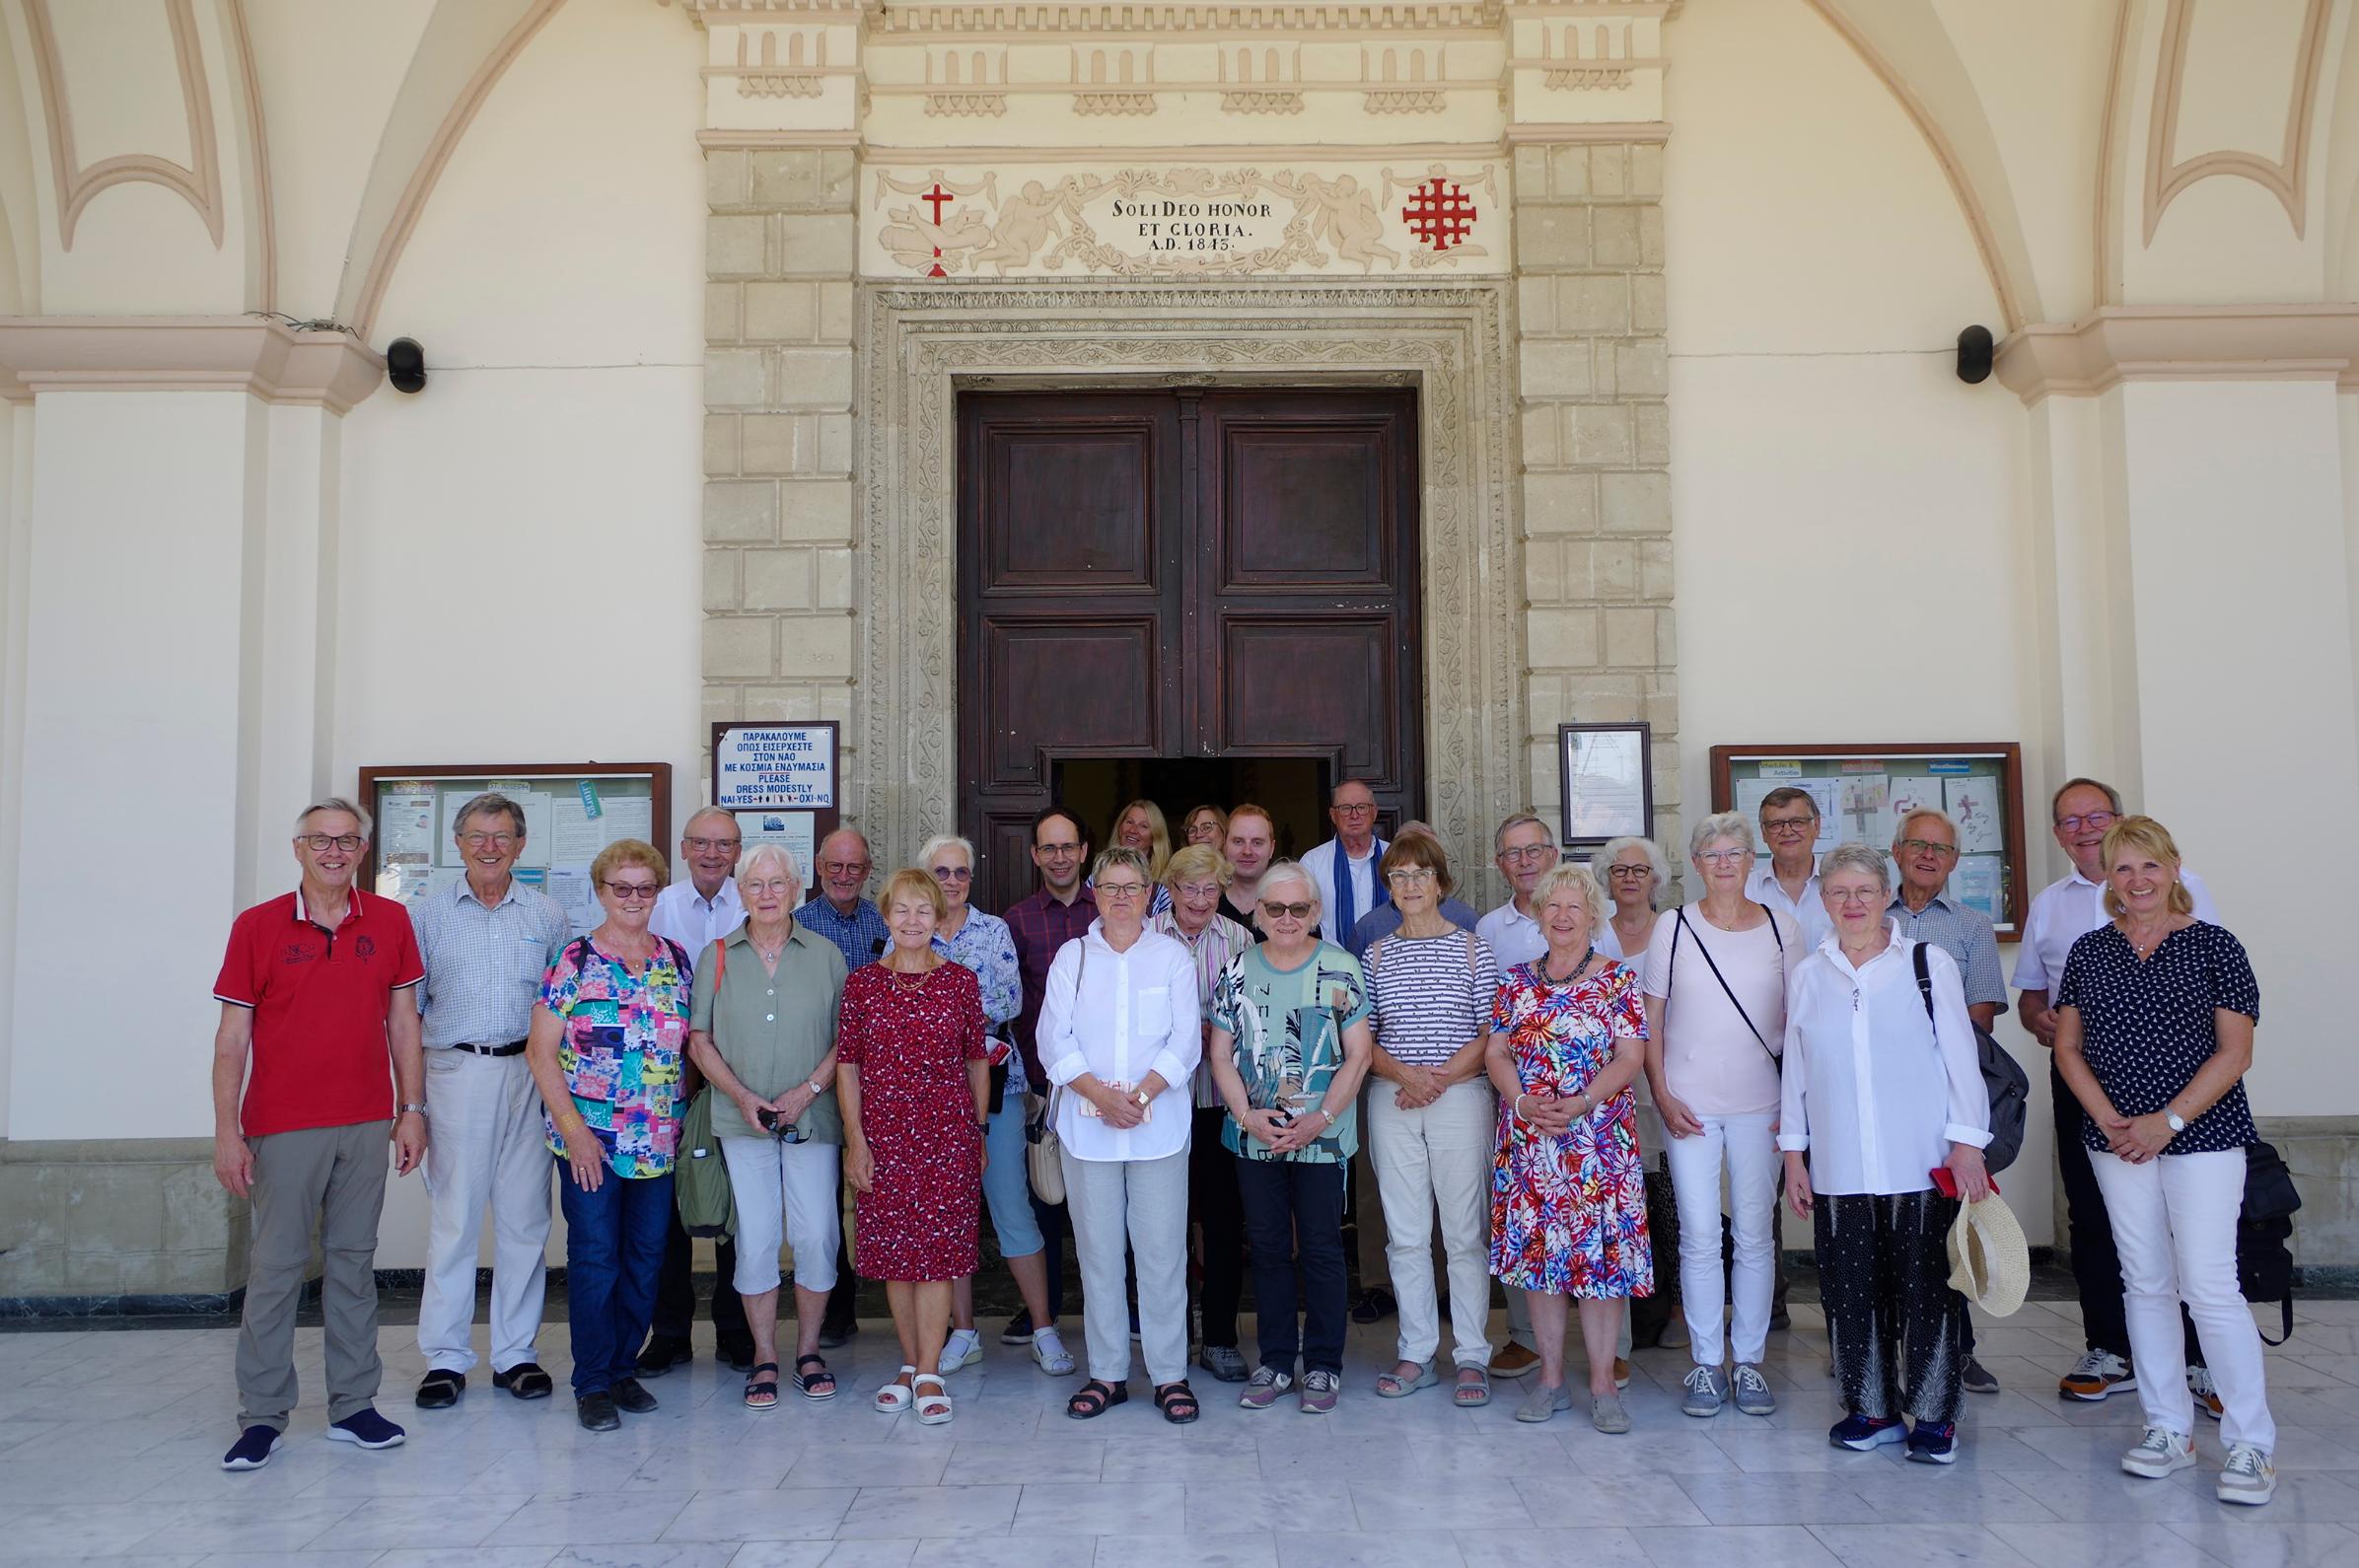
1946,1183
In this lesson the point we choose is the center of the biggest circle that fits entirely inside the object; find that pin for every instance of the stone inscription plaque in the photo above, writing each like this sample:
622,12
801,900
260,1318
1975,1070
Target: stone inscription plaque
1358,220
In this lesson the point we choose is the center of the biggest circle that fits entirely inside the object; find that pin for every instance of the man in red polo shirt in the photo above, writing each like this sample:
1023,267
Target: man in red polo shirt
306,994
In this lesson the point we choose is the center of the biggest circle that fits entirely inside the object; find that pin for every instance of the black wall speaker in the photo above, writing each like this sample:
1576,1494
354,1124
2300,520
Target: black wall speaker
405,363
1974,348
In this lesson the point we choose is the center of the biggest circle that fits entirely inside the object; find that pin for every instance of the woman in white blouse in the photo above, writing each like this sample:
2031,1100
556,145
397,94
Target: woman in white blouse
1120,1034
1882,1092
1715,983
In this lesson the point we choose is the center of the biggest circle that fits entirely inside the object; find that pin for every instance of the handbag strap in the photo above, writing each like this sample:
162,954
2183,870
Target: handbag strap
1725,989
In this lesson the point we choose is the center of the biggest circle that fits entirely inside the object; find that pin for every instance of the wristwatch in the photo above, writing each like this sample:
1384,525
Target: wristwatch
819,1086
406,1109
2174,1120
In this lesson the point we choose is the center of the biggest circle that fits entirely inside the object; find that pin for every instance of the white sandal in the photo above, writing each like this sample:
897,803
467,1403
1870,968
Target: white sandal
932,1408
896,1395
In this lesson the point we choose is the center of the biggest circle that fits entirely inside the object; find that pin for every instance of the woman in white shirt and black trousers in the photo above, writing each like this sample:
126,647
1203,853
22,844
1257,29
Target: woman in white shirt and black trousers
1883,1092
1120,1034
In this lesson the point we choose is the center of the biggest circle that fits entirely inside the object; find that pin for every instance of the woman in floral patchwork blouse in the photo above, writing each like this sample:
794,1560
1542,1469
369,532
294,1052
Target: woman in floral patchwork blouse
608,1041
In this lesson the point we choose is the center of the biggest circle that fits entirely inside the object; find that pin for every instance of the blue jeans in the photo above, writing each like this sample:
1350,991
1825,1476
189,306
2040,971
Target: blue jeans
614,1254
1007,1185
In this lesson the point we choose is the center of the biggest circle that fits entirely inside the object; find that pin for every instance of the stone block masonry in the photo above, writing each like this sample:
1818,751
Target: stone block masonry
780,627
1592,376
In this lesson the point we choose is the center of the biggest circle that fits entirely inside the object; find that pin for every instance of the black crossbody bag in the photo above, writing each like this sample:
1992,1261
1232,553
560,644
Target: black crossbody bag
1670,982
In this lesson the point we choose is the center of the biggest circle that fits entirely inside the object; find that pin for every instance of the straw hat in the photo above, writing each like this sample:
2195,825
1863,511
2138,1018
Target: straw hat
1990,1264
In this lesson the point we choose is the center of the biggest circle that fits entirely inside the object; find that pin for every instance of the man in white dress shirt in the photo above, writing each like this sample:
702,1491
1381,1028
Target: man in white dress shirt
2064,913
695,914
1345,869
486,941
1789,882
1524,848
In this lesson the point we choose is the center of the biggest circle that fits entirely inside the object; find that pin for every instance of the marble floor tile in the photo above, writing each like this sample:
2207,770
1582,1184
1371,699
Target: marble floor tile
1719,1545
1877,1545
2274,1545
779,1514
921,1512
1369,1549
2104,1546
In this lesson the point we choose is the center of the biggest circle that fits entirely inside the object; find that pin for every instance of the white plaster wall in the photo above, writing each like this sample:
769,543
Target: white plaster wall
1846,537
520,544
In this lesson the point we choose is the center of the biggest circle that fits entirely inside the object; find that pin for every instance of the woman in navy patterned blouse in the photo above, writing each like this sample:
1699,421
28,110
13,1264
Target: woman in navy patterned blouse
2154,1034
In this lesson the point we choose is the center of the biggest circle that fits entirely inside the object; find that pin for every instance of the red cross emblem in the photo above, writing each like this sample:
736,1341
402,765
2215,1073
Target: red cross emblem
936,198
1439,214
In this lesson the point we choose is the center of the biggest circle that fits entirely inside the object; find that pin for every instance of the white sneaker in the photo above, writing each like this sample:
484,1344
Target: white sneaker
1048,1350
963,1348
2159,1452
2249,1477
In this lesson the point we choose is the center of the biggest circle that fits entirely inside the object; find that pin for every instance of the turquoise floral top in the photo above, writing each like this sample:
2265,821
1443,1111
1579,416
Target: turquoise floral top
1288,1027
620,1051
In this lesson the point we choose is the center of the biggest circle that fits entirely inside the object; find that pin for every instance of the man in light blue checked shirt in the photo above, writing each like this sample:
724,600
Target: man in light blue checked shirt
486,941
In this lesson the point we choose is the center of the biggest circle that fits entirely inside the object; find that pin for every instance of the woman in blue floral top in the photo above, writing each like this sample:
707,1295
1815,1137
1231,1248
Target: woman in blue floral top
605,1049
982,943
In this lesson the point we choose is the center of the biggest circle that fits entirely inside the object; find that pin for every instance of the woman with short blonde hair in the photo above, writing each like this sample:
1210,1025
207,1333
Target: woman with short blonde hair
1140,825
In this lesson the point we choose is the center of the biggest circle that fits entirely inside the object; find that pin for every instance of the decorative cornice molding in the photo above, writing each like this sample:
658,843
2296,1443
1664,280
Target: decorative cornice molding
1182,17
2285,177
188,353
198,184
1262,100
1554,134
2116,343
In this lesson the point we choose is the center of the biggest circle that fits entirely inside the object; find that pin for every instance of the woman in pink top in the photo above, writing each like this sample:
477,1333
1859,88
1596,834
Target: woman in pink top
1715,984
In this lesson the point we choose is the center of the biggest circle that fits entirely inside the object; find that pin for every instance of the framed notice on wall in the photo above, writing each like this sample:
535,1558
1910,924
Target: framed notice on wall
1606,774
572,810
782,782
1865,792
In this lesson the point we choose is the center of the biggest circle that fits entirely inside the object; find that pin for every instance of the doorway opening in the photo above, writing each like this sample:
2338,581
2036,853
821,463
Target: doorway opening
1291,789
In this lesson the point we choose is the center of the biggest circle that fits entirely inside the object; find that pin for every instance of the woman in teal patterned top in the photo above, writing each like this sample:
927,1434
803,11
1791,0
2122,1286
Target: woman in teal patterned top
1290,1046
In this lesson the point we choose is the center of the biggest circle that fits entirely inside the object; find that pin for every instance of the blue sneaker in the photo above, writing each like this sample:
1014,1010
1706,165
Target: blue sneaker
253,1449
1933,1443
368,1429
1865,1432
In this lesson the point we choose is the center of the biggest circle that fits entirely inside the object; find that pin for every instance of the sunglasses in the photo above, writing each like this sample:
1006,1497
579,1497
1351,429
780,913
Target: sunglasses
1300,911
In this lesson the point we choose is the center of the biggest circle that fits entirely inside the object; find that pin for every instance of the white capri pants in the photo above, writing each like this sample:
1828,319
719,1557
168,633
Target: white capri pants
2175,1226
1438,1160
1749,1150
785,1192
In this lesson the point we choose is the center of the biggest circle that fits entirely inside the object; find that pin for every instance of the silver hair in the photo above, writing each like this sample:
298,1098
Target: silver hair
942,841
1901,827
768,849
484,805
1855,856
1601,867
1577,876
702,812
1121,855
1520,820
337,803
1292,871
1723,824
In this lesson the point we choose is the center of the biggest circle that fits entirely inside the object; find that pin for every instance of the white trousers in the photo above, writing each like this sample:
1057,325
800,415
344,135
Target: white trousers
484,1148
1144,1203
785,1192
2175,1226
1747,1150
1437,1158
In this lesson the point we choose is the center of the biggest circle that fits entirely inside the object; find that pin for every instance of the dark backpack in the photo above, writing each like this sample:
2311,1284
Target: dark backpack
2264,1263
2003,1078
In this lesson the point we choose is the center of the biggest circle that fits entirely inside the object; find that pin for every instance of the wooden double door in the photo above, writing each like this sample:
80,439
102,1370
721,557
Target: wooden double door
1189,573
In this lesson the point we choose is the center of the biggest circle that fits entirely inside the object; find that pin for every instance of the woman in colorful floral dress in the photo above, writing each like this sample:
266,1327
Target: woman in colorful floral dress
605,1048
1569,1194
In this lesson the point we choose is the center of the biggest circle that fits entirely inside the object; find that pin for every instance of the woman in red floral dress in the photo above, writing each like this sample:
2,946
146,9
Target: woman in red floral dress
914,1083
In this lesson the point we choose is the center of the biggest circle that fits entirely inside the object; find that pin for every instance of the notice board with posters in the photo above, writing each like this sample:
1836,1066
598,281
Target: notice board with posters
572,810
1864,791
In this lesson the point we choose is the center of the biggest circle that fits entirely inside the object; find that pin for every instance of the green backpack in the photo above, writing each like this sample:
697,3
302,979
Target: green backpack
700,1180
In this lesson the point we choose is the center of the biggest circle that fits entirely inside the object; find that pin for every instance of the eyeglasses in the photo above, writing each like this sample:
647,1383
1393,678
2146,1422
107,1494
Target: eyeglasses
1199,890
1408,876
1276,911
843,868
1354,808
766,885
631,892
1069,847
1634,873
322,843
1711,857
1121,889
2073,825
489,840
699,846
954,873
1926,847
1788,824
1867,896
1527,852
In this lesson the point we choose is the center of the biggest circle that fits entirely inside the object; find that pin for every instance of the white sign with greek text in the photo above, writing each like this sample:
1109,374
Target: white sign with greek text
775,767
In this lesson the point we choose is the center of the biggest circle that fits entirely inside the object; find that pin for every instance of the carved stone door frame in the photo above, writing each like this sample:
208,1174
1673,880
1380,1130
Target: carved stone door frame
921,346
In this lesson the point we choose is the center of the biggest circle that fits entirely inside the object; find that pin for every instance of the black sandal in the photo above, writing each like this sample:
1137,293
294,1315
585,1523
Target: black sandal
820,1385
1176,1401
1094,1398
761,1392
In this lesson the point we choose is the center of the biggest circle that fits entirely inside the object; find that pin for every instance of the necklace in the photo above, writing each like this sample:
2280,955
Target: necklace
902,981
1586,954
2145,949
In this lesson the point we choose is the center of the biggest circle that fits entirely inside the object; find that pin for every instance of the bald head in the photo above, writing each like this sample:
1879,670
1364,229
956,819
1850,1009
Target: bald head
843,869
1352,808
